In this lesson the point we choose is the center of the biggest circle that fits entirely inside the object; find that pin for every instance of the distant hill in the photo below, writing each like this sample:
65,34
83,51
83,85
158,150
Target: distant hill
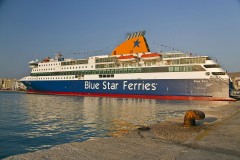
234,74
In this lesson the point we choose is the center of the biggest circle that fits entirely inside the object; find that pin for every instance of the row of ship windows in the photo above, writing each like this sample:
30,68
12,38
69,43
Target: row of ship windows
100,76
75,62
126,70
114,59
50,69
49,64
49,78
106,75
97,66
114,65
187,60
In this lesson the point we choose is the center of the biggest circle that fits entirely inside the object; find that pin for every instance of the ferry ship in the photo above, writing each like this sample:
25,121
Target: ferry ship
131,71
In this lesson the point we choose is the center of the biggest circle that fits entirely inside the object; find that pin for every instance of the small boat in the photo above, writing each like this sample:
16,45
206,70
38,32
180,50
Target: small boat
127,58
151,56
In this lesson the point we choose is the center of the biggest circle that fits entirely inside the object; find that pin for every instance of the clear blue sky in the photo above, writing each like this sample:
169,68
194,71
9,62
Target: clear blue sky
34,29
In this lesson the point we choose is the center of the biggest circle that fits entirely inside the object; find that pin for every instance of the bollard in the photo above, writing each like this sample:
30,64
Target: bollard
144,128
191,116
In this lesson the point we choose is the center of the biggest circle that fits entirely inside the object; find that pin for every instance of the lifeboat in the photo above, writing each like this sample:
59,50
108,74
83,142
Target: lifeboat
151,56
127,58
47,59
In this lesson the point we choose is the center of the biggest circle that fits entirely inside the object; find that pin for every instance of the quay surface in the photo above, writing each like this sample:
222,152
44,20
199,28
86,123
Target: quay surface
215,137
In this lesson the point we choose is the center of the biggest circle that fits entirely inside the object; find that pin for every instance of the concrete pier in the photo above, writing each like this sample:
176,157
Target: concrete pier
215,137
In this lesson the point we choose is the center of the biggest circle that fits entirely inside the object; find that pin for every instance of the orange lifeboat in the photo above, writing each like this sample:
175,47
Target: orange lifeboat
47,59
127,58
151,56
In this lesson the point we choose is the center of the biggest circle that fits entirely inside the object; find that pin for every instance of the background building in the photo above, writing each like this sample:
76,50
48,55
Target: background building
11,84
1,82
235,77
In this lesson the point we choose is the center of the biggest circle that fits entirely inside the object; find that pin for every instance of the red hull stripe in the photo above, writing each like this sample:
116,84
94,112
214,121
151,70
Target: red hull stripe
135,96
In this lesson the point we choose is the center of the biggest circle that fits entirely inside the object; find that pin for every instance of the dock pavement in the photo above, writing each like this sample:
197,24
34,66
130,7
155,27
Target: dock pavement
215,137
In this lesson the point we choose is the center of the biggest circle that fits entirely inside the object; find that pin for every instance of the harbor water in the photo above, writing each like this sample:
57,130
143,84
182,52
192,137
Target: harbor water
30,122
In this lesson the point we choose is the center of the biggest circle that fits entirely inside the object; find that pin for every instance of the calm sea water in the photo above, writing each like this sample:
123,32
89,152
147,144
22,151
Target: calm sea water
31,122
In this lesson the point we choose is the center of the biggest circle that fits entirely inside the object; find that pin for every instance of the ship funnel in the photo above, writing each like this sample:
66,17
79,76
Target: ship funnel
134,43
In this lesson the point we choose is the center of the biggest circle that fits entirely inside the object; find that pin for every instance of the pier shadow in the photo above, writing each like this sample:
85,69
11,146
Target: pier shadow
206,120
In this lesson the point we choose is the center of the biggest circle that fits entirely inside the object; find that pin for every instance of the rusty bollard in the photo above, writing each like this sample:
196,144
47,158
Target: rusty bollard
143,128
191,116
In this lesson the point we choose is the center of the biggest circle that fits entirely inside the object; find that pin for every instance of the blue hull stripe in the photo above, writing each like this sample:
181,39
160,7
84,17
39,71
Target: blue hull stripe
141,87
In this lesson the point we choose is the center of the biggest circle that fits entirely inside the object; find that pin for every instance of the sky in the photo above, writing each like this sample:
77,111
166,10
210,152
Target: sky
35,29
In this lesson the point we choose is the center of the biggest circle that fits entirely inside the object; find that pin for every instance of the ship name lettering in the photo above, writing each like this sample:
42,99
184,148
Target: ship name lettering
139,86
91,85
110,86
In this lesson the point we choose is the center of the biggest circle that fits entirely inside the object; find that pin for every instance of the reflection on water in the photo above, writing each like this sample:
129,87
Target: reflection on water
31,122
